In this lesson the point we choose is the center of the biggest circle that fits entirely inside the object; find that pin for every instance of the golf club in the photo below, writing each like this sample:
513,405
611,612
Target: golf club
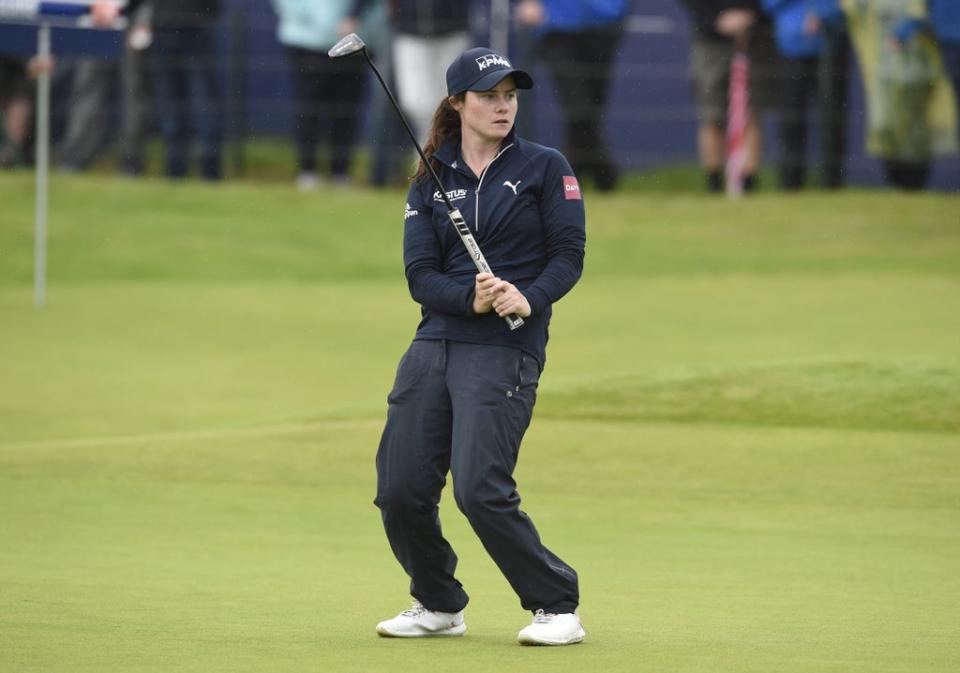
352,44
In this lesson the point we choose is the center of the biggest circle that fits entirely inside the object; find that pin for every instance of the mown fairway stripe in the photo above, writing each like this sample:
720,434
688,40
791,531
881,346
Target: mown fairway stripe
164,437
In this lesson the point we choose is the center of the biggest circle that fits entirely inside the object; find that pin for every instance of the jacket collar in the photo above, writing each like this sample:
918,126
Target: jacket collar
449,152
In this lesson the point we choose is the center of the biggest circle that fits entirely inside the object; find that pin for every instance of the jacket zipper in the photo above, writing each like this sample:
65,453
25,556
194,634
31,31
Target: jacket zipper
476,204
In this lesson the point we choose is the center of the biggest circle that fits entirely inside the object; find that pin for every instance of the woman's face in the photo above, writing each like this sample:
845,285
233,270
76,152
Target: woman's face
489,115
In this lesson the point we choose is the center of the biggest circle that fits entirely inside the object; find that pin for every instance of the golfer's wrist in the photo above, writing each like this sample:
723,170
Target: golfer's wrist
481,307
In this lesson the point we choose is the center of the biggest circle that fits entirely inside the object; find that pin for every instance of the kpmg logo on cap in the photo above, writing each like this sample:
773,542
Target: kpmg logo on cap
492,59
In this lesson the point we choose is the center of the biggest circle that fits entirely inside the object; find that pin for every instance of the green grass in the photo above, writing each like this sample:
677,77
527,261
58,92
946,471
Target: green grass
747,440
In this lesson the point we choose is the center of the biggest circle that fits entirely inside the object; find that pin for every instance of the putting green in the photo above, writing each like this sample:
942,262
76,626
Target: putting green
746,440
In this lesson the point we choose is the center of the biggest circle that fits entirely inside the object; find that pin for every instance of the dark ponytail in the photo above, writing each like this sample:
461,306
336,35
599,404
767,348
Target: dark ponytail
445,125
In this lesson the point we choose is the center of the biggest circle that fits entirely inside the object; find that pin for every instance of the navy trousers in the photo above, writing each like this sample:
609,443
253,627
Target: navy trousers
464,408
329,95
187,81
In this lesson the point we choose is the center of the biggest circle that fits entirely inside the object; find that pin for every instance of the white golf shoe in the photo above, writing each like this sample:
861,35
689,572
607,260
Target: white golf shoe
551,629
418,622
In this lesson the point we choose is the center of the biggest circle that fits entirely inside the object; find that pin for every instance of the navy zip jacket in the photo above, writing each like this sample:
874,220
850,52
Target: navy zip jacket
526,213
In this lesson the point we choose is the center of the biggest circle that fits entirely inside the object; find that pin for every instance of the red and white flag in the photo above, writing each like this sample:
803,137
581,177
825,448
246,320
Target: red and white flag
738,114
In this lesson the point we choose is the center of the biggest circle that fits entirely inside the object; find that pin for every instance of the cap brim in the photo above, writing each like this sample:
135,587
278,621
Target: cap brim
492,79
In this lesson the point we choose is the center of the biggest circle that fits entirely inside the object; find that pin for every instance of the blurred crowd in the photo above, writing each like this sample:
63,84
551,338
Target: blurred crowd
798,56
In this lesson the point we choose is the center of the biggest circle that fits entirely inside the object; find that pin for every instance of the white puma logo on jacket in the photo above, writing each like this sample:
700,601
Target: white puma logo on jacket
511,185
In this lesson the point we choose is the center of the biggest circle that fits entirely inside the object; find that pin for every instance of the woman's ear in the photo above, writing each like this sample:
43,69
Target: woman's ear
455,103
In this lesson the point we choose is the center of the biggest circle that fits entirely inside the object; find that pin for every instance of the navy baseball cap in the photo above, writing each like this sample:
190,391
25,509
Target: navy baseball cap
481,69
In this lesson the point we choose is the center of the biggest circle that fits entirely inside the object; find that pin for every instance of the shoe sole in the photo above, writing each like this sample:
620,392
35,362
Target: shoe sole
527,640
452,631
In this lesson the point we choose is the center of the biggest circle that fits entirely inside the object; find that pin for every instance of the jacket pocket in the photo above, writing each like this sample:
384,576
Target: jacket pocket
412,368
528,372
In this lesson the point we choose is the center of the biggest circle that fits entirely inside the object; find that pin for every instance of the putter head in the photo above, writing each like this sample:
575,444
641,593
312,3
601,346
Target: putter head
349,45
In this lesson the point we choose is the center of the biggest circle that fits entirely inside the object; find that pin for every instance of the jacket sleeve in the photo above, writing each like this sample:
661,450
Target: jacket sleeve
423,259
564,228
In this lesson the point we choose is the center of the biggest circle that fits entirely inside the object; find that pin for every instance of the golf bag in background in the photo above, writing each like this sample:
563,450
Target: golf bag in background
738,116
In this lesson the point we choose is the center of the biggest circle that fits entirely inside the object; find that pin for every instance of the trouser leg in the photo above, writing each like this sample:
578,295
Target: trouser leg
345,82
306,126
136,112
951,63
89,122
570,85
207,101
579,65
602,44
832,99
492,391
173,93
420,65
412,463
415,91
798,77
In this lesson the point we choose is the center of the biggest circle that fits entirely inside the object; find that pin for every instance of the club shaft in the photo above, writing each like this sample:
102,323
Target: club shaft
413,136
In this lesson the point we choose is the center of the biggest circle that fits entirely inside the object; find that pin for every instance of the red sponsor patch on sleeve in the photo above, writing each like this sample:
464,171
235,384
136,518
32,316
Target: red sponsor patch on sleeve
571,188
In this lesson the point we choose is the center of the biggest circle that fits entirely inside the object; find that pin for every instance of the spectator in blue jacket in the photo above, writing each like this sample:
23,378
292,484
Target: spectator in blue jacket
578,42
814,57
465,389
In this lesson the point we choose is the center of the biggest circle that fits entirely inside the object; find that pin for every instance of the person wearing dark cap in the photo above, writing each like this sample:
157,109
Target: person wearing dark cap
465,389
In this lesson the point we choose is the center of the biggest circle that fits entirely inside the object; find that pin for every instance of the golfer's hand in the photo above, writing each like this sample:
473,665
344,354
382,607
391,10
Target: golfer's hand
495,294
511,301
483,295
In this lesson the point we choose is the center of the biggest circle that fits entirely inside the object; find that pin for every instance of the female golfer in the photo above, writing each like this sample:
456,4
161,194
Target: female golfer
465,389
